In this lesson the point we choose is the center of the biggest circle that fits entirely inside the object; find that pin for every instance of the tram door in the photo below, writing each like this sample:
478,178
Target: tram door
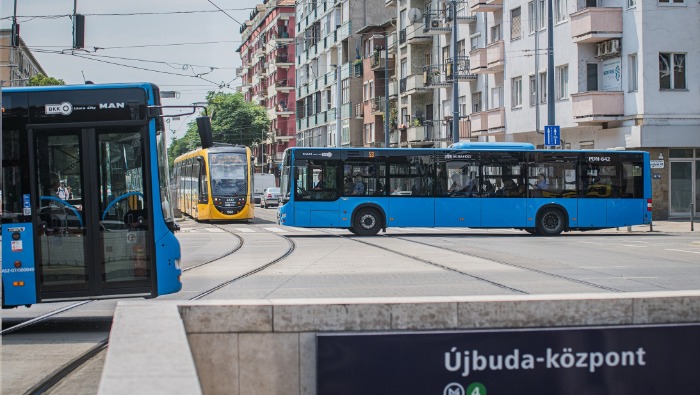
89,212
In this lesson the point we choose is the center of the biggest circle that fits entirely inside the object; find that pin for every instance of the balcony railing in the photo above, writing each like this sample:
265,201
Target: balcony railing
477,61
596,24
495,57
378,105
346,110
380,62
597,106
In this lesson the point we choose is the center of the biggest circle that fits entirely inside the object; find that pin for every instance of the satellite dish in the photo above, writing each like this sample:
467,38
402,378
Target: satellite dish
414,15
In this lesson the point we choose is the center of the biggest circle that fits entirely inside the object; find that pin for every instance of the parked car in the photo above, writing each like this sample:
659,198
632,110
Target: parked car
271,197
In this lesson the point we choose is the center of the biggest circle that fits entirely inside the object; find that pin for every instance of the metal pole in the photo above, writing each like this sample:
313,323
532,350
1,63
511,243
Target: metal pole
537,69
339,100
387,113
692,216
551,119
455,79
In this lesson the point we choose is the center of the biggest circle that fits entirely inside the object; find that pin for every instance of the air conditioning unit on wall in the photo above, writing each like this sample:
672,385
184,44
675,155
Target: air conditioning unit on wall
600,50
614,48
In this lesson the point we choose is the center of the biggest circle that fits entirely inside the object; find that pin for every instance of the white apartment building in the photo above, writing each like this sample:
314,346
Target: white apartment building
620,76
326,41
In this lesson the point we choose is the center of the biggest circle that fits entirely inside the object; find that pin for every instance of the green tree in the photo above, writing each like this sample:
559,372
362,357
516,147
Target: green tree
234,121
42,80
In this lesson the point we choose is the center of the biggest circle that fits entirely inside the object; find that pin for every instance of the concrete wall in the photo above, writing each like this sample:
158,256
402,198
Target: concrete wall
268,347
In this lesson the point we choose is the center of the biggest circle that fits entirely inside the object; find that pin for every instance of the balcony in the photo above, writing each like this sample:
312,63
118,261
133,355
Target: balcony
416,133
380,62
413,84
495,57
594,107
435,22
344,31
496,119
596,24
485,5
346,110
284,85
477,61
378,105
479,122
435,76
283,61
415,35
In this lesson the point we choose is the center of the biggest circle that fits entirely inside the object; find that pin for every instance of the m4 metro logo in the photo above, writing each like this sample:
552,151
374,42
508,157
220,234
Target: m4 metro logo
458,389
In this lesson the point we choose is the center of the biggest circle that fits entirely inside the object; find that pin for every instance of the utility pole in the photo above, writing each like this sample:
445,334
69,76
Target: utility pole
455,76
339,101
387,113
551,119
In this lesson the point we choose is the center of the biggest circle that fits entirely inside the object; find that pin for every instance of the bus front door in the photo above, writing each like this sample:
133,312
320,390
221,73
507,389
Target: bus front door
85,183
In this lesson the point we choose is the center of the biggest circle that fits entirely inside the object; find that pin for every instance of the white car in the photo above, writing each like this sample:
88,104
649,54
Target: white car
271,197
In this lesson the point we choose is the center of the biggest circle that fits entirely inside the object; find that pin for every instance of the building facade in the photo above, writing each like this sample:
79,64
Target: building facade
17,64
329,69
268,76
620,80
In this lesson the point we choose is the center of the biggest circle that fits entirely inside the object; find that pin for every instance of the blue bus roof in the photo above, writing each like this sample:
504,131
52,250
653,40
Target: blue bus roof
488,145
143,85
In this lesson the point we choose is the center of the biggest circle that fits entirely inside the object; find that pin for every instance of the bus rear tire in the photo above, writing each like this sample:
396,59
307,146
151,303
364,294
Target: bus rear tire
550,222
367,222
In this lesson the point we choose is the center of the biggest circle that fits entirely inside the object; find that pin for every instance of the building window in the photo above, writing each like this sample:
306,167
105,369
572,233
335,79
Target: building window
671,1
346,91
365,91
404,68
533,90
672,71
631,3
476,102
345,132
371,89
542,14
515,28
461,50
495,33
368,133
591,77
543,87
559,7
445,54
474,40
531,17
517,92
632,67
562,82
463,106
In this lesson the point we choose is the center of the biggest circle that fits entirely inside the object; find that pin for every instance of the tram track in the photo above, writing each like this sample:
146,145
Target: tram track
478,256
61,373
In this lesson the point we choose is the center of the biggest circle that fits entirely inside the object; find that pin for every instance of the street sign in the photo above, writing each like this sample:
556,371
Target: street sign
552,135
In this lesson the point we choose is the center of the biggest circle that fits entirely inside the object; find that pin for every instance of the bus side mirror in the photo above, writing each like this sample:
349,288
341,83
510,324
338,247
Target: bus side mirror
204,130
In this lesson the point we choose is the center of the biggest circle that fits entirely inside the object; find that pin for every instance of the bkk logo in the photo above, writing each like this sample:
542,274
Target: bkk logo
64,108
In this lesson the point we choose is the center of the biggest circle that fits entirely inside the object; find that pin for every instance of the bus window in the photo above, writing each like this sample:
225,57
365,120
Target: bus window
364,178
502,174
552,175
317,180
411,175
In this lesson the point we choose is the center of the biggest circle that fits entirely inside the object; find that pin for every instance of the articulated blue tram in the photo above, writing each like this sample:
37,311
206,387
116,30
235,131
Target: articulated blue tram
85,197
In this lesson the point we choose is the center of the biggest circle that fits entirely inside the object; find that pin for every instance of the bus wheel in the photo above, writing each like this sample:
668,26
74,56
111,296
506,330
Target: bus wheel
367,222
550,222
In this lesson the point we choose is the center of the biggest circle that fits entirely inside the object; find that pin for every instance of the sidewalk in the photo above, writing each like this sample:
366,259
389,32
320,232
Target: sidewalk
667,226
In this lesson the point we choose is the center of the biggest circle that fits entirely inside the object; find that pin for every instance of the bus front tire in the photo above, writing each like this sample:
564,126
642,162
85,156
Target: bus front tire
367,222
550,222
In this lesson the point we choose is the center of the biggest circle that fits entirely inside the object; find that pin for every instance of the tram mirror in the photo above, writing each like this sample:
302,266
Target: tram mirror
204,129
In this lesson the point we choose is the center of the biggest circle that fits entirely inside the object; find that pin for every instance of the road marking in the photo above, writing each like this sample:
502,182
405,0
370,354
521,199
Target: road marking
244,230
692,252
214,230
301,229
276,230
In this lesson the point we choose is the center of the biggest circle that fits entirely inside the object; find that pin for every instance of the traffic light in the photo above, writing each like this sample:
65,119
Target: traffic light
15,34
78,31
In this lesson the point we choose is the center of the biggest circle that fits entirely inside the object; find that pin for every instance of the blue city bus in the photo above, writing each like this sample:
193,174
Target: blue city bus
85,203
475,185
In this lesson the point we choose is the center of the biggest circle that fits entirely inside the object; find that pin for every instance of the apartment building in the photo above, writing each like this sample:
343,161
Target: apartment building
17,64
620,80
329,69
268,76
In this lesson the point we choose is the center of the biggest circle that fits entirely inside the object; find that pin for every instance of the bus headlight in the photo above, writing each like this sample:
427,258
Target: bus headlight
177,264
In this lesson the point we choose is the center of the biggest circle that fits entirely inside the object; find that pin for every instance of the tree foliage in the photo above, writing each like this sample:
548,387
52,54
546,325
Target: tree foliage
233,121
42,80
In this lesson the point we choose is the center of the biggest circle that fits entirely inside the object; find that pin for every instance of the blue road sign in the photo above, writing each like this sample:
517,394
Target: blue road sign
552,135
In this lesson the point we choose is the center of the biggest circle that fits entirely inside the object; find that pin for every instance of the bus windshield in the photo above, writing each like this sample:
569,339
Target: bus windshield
228,173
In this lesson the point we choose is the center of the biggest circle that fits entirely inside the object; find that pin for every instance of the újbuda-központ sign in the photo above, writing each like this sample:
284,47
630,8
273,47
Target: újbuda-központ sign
654,359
